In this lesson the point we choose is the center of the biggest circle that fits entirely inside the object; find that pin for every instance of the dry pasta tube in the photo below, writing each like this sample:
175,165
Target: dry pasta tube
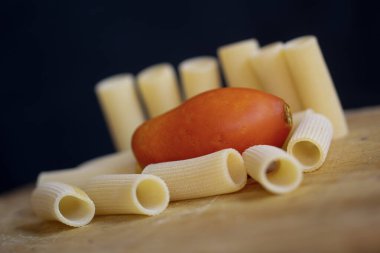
311,141
128,194
159,88
296,120
234,59
270,66
273,168
118,99
65,203
217,173
313,81
199,74
122,162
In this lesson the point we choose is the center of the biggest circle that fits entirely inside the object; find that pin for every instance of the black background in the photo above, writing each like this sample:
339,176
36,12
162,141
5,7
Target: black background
54,52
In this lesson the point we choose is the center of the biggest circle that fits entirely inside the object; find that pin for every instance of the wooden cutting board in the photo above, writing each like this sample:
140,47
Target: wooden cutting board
337,209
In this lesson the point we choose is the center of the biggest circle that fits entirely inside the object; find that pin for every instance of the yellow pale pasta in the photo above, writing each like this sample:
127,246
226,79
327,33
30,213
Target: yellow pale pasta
199,74
310,141
128,194
122,162
118,99
314,84
273,168
159,88
65,203
270,65
234,59
217,173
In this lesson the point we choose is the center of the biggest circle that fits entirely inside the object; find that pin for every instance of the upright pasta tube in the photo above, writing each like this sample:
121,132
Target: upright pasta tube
122,162
199,74
270,65
314,84
311,141
234,59
217,173
65,203
121,109
273,168
159,88
128,194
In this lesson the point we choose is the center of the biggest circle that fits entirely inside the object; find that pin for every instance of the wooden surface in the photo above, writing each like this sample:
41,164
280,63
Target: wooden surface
337,209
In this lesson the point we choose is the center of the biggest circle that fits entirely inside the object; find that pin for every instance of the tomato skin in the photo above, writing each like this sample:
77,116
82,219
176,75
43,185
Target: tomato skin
223,118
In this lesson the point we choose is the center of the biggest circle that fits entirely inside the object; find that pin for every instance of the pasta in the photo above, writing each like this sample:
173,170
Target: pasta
311,141
199,74
234,59
159,88
270,65
217,173
65,203
128,194
273,168
313,81
119,102
122,162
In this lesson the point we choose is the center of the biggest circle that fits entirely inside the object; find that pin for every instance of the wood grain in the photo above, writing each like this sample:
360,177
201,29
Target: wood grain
336,209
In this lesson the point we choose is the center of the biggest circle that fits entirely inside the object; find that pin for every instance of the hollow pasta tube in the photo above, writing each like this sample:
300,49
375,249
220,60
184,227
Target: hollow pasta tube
62,202
273,168
213,174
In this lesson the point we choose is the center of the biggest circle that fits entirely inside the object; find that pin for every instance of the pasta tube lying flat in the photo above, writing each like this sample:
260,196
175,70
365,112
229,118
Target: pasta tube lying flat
273,168
311,141
65,203
234,59
122,162
118,99
199,74
271,68
217,173
313,81
128,194
159,88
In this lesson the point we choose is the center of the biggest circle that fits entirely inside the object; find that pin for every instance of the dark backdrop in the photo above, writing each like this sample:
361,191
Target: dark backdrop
53,53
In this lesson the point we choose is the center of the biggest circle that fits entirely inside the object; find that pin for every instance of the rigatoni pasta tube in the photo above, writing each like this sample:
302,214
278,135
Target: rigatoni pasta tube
199,74
121,109
234,59
128,194
65,203
271,68
311,141
122,162
159,88
217,173
314,84
273,168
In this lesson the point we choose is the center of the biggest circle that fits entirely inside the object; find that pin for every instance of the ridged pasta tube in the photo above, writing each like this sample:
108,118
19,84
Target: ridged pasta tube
118,99
213,174
311,141
271,68
159,88
122,162
313,81
234,59
62,202
128,194
199,74
273,168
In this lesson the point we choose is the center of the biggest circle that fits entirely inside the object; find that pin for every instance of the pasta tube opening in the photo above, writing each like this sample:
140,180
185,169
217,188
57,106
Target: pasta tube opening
281,172
236,171
273,168
75,210
307,153
152,194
